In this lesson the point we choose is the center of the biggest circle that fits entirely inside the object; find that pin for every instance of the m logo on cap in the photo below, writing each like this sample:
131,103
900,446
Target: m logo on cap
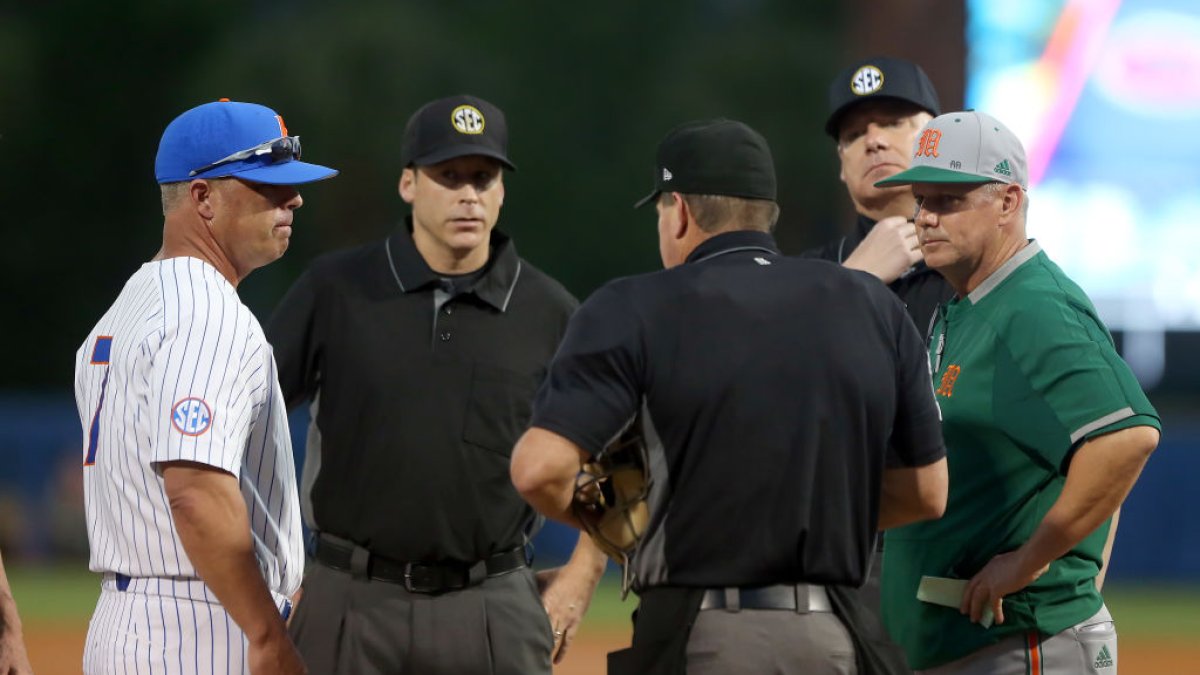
866,80
928,145
467,120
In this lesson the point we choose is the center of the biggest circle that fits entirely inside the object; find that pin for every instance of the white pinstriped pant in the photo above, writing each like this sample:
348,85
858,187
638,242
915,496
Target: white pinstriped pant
163,626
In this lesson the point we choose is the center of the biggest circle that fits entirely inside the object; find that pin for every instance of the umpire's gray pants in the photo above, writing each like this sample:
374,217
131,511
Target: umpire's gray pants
769,642
354,626
1087,648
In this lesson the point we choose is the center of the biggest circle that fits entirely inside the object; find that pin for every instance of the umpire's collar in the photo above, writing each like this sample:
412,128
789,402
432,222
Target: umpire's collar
731,242
412,273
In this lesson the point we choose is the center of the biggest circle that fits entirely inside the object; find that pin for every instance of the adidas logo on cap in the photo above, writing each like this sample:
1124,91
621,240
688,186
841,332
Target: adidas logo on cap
1002,169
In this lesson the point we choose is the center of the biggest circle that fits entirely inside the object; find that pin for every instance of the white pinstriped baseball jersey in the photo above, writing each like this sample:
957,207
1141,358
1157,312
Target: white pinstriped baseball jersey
179,369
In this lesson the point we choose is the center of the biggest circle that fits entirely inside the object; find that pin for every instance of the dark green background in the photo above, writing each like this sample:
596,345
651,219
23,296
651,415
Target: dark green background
588,89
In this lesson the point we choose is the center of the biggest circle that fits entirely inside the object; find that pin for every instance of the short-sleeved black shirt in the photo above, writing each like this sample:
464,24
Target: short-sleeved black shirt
775,389
921,288
419,394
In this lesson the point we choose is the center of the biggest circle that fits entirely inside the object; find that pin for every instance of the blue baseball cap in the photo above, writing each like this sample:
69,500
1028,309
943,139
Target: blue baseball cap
227,138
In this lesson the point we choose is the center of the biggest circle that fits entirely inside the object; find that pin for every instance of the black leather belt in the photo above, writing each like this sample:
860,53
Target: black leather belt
417,577
802,598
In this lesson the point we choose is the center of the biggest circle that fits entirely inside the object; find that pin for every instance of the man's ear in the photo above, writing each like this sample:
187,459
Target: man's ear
408,178
1012,202
201,192
683,220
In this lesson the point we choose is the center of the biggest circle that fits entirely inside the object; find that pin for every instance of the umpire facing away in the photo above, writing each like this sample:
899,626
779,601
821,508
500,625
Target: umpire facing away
783,429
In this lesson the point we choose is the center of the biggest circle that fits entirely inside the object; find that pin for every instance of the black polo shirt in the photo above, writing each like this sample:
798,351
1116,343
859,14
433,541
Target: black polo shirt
419,394
773,389
921,288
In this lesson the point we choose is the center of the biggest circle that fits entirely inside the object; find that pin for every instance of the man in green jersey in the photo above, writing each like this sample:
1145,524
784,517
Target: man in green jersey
1046,431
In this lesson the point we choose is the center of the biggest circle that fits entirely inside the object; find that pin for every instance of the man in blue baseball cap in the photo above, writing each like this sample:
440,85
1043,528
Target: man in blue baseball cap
235,155
192,509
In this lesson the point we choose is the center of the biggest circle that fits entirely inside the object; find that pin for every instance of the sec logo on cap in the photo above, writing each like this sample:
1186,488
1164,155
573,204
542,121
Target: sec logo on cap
866,80
191,417
467,119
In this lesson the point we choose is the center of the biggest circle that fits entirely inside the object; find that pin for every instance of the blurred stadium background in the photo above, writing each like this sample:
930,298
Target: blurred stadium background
1105,93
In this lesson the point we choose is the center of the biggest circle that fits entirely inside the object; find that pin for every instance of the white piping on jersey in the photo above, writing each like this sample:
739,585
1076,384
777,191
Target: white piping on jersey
511,287
1004,271
387,247
1102,422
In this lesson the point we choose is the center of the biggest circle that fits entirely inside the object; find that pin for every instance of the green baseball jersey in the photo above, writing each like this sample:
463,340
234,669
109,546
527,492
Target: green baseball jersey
1024,372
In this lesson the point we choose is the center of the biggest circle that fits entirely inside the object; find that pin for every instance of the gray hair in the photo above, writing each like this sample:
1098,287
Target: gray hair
995,189
173,194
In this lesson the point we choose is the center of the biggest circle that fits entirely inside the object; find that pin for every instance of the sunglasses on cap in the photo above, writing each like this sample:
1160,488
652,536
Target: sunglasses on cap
283,149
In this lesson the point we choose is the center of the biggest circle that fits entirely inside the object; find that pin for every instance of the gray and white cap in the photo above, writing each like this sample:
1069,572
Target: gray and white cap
965,147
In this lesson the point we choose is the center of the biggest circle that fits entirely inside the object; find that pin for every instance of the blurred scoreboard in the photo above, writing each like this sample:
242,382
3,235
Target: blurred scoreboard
1105,95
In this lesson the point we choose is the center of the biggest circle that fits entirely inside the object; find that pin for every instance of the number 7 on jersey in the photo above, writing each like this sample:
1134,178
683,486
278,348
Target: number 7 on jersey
101,354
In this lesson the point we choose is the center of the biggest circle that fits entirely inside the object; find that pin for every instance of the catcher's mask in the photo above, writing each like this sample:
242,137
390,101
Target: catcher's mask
610,497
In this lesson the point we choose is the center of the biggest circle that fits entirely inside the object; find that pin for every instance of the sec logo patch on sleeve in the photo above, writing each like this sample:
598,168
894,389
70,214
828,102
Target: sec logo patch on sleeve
191,416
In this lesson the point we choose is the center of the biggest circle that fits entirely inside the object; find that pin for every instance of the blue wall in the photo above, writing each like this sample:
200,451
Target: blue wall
40,440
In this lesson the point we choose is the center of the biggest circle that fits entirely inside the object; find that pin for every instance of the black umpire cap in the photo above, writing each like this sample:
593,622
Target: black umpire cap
454,127
714,157
880,77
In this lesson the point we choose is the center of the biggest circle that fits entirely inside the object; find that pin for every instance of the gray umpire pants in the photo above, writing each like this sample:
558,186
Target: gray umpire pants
344,625
769,642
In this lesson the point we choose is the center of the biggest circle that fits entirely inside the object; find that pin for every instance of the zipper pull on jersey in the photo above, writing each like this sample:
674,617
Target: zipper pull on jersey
941,343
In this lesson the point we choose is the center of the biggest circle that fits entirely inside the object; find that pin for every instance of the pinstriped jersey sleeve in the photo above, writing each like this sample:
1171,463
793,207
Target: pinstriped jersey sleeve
205,371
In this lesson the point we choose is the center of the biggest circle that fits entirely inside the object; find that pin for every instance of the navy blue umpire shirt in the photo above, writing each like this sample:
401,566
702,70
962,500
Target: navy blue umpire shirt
774,389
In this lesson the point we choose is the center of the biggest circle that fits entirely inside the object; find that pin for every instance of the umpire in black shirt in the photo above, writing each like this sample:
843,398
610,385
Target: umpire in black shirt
877,108
789,414
421,354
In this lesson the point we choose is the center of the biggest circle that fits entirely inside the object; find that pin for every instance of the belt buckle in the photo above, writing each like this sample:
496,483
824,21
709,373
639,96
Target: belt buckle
408,584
